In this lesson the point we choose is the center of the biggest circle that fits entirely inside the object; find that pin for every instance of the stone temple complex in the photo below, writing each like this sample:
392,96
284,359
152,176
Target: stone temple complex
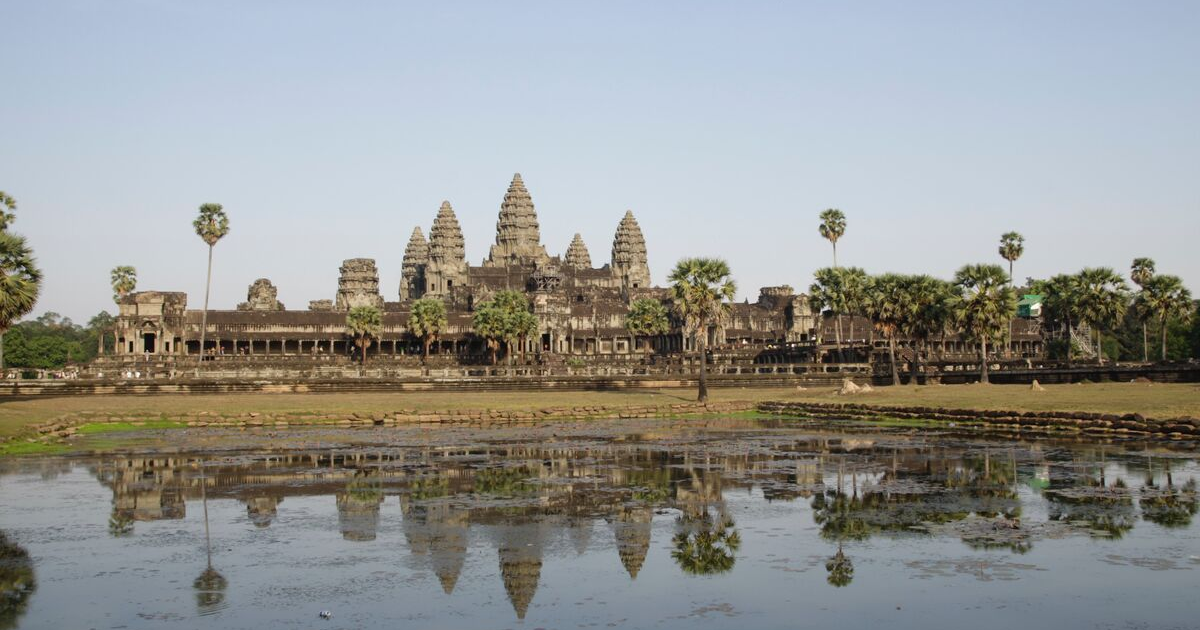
580,307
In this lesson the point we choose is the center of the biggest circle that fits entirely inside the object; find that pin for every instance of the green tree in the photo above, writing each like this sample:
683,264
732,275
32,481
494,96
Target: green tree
427,320
856,287
1012,245
1165,298
928,313
702,290
364,323
983,307
826,294
1103,299
1140,272
8,210
211,225
888,308
833,226
124,281
506,318
647,318
705,545
840,568
1060,304
20,282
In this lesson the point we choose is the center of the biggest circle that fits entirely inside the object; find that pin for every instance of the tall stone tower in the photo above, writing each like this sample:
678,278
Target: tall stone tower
358,284
412,270
447,267
577,256
518,239
629,254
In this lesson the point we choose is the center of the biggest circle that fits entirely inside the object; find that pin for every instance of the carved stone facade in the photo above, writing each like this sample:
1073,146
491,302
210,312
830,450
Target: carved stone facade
262,296
580,308
358,285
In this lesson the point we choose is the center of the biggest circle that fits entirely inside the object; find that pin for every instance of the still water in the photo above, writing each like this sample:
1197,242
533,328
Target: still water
626,524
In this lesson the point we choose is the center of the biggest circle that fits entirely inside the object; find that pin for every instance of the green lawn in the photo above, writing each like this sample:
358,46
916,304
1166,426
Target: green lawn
1158,400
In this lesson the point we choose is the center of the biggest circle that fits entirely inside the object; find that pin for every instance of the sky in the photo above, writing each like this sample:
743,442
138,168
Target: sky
329,130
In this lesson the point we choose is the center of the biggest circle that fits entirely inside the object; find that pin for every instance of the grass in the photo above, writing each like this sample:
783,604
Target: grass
118,427
1157,400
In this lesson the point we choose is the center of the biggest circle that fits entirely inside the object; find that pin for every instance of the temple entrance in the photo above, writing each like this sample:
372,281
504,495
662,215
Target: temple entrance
148,342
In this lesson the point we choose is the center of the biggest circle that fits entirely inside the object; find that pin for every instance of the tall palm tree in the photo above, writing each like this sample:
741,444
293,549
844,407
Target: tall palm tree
647,318
364,323
826,294
1012,245
1166,298
427,320
20,282
983,307
702,289
1140,272
488,323
8,209
887,307
124,281
1103,299
1061,296
833,226
856,286
211,225
928,313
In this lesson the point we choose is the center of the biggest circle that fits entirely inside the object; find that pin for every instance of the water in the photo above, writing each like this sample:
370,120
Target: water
622,524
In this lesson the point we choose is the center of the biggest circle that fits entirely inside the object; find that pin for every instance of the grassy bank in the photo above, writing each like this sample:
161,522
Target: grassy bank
1157,400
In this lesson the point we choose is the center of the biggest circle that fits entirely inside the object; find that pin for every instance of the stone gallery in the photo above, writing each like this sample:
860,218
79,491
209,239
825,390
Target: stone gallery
580,308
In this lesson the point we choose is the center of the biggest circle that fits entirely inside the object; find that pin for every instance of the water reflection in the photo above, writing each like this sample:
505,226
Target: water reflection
17,582
517,500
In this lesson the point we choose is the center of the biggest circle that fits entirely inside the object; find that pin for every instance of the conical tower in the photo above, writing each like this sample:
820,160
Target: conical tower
518,238
412,270
577,254
632,530
447,266
629,254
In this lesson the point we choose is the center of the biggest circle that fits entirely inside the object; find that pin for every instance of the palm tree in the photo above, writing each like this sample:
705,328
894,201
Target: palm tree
840,568
8,210
1166,298
1012,245
647,318
211,226
488,322
826,294
364,323
1102,301
20,282
124,281
983,307
888,309
1060,304
702,290
856,286
427,320
928,312
833,226
1140,272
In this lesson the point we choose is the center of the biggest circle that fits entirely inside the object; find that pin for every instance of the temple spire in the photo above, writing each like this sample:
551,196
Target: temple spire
629,254
577,254
447,266
412,270
518,236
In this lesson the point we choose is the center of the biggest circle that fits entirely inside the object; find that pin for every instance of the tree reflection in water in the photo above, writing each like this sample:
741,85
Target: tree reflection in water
17,582
840,568
705,544
1169,506
210,586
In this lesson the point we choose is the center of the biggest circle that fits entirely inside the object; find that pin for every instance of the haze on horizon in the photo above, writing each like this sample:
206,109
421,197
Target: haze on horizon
329,131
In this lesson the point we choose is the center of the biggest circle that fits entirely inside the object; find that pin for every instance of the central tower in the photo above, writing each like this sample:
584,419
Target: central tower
518,239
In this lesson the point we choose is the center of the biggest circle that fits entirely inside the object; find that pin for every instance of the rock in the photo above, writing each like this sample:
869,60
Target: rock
848,387
1036,386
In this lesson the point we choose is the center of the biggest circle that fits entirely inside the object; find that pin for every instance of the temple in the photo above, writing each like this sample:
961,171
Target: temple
580,310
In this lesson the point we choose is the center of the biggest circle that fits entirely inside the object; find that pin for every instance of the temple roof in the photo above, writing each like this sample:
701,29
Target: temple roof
518,236
445,237
577,254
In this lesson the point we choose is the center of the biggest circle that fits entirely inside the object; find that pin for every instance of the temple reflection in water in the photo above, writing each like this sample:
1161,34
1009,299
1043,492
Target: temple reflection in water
522,500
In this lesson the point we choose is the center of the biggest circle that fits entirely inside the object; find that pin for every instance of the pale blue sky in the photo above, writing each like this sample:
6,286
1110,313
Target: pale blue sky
328,130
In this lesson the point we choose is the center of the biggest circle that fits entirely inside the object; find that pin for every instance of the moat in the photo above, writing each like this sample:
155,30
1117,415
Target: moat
632,523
